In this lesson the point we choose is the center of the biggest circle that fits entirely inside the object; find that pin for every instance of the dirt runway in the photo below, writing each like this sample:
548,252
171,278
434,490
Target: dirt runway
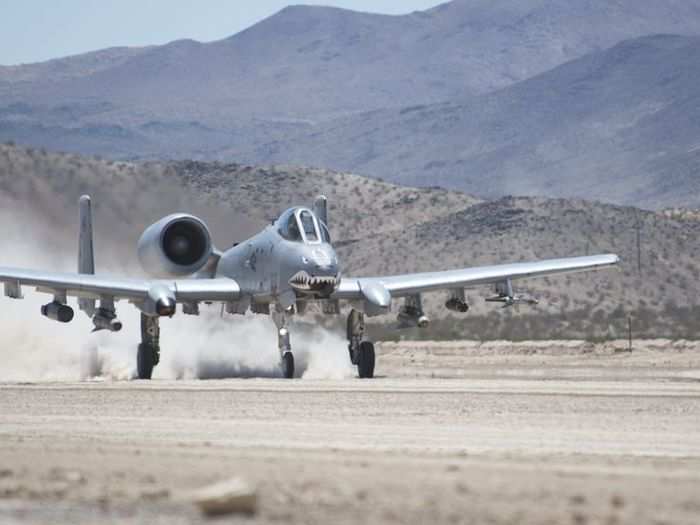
450,433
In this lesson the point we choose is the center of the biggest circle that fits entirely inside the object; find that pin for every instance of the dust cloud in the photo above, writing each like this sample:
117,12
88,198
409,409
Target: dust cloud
34,348
206,347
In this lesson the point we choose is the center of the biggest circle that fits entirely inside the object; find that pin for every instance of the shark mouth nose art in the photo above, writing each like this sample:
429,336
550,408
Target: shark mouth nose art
304,282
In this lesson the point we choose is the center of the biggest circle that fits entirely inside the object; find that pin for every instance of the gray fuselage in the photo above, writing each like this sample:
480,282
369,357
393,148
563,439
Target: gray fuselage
283,263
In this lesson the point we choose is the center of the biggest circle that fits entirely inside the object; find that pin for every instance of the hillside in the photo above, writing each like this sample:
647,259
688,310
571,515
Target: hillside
399,229
39,191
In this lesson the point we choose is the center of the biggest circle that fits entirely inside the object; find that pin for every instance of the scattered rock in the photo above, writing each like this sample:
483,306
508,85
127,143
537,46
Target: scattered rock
103,502
227,497
10,491
57,489
74,477
579,519
148,478
612,520
155,494
577,499
5,473
617,501
461,488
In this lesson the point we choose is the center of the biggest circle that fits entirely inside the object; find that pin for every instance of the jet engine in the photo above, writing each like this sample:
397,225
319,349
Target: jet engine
176,246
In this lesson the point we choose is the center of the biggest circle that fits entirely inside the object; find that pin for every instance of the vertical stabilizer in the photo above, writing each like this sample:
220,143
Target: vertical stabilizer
86,255
321,209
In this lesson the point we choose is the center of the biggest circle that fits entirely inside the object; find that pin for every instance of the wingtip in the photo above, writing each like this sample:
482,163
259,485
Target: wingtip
614,259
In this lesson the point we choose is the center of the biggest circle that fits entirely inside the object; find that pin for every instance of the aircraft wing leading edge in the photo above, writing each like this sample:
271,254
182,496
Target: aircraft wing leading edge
225,290
96,287
415,283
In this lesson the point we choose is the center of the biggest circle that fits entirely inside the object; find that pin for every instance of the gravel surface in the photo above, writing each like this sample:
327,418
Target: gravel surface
451,433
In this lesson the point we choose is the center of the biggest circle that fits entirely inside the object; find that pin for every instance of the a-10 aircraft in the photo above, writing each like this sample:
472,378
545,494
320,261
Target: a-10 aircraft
279,271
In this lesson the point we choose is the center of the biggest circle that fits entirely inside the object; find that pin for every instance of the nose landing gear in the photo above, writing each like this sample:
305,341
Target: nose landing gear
284,344
288,365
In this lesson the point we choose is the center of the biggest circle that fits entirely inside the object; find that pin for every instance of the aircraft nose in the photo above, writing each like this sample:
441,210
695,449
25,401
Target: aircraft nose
320,273
324,260
327,268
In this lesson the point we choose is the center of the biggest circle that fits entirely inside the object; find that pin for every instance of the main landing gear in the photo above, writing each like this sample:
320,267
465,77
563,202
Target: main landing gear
361,351
149,349
283,343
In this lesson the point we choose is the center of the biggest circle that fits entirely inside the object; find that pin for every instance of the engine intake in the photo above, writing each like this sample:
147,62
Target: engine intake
175,246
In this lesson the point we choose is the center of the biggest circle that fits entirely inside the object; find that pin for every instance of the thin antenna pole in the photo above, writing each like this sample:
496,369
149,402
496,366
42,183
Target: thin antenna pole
629,332
639,245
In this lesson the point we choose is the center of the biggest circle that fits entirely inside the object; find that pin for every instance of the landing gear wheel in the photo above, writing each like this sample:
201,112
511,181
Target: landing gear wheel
365,360
145,361
288,365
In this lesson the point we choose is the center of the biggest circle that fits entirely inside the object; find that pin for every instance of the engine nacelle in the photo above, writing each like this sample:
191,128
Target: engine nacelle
176,246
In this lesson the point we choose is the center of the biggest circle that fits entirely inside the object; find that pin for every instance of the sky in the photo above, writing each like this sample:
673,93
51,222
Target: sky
37,30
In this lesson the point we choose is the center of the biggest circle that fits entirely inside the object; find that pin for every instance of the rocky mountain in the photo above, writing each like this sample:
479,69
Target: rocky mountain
398,229
329,60
621,125
445,95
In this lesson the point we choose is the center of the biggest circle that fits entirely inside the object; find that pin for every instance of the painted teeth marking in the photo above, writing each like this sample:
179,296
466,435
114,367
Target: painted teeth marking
304,281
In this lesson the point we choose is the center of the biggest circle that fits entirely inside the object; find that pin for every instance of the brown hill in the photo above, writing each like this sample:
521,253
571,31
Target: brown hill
399,229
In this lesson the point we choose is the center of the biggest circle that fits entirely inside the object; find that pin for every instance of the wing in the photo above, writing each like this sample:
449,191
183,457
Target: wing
100,287
415,283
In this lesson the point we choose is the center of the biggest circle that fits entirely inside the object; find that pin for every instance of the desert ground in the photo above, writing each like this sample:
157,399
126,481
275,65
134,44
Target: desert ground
501,433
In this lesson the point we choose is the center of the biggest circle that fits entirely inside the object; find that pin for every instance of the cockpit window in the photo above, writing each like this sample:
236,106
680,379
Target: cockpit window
293,233
300,225
289,228
307,222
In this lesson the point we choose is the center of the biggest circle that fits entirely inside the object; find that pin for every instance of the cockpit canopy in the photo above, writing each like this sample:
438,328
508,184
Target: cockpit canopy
302,225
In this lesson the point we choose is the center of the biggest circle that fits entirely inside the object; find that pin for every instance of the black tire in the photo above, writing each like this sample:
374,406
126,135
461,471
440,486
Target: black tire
288,365
145,361
365,360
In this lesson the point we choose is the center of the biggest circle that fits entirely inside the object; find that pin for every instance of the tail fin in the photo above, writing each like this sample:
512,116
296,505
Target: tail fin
321,209
86,255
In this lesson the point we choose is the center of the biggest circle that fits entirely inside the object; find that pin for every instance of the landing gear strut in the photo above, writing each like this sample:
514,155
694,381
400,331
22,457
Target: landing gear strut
149,349
361,351
284,344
